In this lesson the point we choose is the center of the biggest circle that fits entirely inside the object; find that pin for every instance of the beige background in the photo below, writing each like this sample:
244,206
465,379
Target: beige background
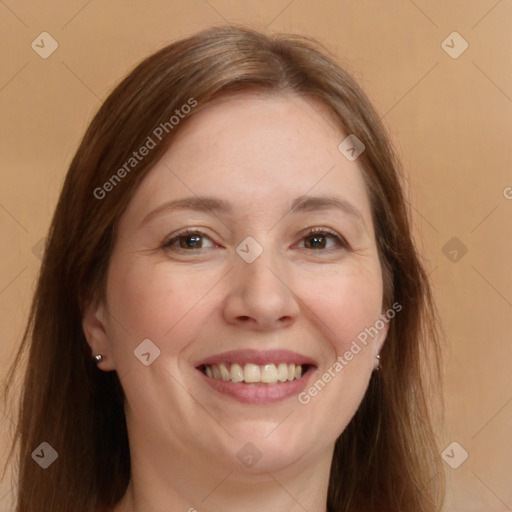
451,119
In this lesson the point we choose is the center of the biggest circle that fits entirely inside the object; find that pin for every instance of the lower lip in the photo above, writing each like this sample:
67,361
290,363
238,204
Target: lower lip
259,393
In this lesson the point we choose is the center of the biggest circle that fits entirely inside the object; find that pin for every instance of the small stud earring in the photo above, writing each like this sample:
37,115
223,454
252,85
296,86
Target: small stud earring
98,358
377,368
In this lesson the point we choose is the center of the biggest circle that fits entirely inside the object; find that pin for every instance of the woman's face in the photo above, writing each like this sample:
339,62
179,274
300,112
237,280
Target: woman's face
251,241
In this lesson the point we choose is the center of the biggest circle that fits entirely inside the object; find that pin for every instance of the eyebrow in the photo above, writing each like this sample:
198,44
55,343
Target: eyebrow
220,206
196,203
312,203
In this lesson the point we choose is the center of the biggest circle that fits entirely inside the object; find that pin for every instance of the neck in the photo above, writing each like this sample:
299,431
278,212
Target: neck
204,486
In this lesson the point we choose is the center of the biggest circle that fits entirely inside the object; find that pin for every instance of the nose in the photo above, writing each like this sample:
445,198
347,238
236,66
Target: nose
259,297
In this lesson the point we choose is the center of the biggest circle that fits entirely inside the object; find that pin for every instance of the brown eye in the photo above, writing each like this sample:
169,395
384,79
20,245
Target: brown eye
315,242
322,239
188,240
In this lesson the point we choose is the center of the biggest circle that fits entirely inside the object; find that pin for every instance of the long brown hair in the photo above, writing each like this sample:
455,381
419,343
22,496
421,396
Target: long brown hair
386,459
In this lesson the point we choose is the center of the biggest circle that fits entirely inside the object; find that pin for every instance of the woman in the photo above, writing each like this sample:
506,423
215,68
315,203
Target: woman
231,313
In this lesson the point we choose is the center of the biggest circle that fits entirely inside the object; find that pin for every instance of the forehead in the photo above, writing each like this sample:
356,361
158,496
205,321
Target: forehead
256,151
259,127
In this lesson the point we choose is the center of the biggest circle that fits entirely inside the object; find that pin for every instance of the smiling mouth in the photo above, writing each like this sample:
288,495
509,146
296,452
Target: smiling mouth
250,373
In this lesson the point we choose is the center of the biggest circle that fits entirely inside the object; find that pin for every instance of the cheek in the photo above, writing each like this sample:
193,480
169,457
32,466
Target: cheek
347,302
151,301
345,305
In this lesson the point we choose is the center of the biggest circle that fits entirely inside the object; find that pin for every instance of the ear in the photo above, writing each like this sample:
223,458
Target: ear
94,315
380,338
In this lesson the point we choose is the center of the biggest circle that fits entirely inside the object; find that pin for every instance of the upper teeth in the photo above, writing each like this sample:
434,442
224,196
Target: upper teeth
251,373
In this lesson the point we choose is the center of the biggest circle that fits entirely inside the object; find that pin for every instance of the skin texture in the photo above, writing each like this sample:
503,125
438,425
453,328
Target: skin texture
259,153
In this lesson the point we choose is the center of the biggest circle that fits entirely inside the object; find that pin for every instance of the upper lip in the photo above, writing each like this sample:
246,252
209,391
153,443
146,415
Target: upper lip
259,357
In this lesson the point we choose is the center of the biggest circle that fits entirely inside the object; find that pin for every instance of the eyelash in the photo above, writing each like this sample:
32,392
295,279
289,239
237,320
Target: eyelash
168,245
